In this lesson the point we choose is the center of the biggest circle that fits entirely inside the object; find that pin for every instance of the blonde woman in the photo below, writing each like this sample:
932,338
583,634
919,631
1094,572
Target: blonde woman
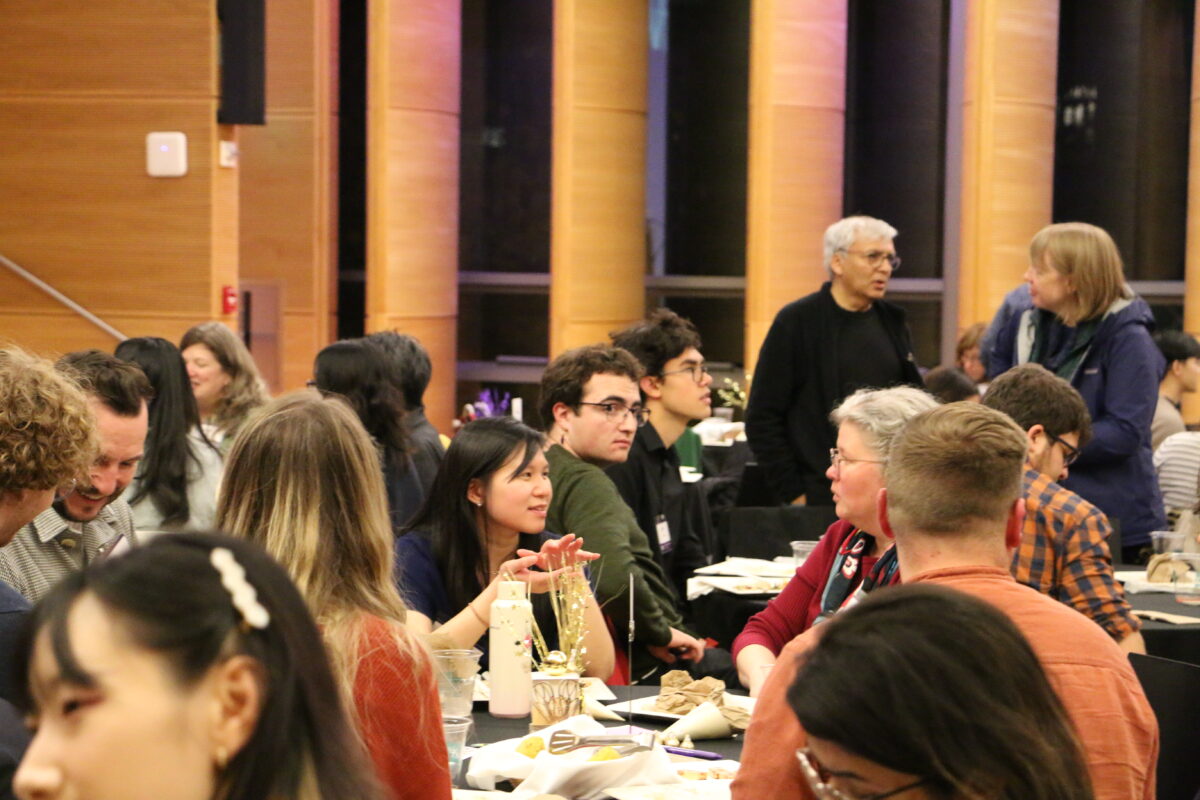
1088,327
303,480
224,379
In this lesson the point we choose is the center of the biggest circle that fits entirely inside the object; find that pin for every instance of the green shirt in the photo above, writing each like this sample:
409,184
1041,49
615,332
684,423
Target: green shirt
587,504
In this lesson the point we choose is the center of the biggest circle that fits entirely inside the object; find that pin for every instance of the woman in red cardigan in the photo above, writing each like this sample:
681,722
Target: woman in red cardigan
850,558
303,480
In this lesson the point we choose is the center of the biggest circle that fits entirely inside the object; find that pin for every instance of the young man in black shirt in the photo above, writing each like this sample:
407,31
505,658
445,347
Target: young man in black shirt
676,391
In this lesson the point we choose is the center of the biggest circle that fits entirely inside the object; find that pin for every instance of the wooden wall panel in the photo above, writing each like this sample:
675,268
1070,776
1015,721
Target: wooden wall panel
135,48
597,241
797,125
81,84
288,190
412,160
1008,146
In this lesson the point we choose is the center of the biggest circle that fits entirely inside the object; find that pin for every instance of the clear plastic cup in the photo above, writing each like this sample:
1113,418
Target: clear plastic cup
801,551
1166,541
456,680
455,730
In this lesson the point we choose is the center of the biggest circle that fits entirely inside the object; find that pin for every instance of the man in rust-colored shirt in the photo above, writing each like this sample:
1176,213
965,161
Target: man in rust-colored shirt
954,503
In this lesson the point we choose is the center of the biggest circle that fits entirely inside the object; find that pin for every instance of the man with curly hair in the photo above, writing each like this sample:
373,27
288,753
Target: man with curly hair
87,520
47,438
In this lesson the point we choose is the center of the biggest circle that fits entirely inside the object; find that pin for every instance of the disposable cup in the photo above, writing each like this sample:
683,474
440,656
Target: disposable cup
1166,541
455,730
456,680
801,551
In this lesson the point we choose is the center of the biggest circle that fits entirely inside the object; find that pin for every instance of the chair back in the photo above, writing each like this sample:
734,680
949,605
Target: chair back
766,532
1173,689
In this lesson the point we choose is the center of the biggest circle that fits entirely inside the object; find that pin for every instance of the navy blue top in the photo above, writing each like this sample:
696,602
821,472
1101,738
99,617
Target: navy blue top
13,610
423,589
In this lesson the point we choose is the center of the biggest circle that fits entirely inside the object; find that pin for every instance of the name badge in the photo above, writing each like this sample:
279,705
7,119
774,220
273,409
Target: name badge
664,534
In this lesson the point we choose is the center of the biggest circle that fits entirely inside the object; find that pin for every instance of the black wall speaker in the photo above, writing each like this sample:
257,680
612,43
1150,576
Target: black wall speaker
243,62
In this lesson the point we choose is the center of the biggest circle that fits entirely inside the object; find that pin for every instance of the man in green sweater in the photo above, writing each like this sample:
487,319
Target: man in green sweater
590,400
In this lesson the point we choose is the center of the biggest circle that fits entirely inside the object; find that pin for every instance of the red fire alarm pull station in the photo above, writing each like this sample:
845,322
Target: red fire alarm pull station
229,300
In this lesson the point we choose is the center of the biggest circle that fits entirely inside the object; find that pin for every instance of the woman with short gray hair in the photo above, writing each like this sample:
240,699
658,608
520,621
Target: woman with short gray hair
853,556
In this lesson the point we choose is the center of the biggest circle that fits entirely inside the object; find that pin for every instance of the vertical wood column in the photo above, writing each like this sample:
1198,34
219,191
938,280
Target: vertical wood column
598,183
1008,146
288,193
413,79
797,135
1191,297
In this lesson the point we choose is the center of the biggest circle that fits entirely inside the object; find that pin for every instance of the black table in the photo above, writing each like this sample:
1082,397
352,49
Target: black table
490,729
722,616
1163,639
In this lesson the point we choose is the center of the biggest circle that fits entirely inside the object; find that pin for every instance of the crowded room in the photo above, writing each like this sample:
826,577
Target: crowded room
599,400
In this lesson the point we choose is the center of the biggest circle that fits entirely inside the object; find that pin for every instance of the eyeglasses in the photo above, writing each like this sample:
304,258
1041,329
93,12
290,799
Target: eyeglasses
876,257
836,459
818,778
1070,451
698,372
616,412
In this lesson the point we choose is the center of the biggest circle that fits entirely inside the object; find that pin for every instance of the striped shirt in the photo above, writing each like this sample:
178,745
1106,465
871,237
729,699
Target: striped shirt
1063,554
1177,462
48,549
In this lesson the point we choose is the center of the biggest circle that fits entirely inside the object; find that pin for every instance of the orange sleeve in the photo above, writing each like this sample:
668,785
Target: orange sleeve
769,767
395,694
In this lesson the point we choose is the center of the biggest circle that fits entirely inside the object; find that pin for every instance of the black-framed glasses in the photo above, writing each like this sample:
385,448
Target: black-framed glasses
698,372
818,781
836,459
876,257
1070,451
617,412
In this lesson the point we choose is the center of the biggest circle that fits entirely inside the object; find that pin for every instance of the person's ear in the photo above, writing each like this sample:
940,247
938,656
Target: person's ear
475,492
881,504
1035,435
651,386
1014,524
562,412
835,264
1177,368
236,704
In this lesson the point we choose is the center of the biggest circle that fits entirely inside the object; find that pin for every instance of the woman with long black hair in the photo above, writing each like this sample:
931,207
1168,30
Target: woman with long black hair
485,517
176,483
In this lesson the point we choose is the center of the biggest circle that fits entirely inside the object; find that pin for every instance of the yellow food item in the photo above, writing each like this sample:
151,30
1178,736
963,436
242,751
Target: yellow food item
605,754
530,746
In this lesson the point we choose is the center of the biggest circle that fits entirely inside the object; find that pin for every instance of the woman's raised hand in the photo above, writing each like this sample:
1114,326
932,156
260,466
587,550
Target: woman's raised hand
557,554
555,557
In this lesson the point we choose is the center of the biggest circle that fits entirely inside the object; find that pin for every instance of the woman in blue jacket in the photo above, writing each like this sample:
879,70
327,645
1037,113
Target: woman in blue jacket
1087,326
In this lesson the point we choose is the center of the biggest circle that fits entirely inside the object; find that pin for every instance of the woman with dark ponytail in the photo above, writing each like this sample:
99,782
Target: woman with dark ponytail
187,669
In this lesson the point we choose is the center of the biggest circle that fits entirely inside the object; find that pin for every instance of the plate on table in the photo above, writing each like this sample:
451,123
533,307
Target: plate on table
593,689
750,567
745,584
644,706
688,790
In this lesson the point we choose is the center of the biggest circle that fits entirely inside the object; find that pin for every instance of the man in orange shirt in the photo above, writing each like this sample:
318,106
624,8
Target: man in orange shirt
954,504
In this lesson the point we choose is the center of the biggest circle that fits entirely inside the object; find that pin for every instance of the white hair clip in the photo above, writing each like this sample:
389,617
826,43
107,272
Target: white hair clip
233,578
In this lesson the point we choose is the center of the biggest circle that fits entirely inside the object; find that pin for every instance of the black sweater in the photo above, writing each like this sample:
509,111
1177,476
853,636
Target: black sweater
797,382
